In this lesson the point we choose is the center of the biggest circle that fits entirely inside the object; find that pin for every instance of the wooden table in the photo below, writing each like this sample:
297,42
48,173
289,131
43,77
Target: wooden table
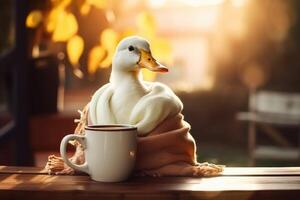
235,183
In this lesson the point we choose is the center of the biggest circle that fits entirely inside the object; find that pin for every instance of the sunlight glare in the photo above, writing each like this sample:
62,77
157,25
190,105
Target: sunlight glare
197,3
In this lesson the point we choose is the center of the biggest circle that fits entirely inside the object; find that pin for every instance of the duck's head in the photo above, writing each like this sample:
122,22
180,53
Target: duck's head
133,53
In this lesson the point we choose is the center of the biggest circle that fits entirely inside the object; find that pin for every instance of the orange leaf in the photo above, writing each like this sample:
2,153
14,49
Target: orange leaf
95,56
109,39
34,19
66,26
75,48
85,8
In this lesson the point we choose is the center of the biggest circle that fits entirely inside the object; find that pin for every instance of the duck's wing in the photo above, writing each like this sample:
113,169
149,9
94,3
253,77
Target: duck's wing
99,110
160,103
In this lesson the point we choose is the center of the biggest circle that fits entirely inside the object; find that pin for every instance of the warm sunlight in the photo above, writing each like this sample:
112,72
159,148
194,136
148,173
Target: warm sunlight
150,99
172,27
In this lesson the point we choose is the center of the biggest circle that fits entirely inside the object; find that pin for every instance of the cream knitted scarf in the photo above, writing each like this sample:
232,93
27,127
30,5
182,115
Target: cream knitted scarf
154,107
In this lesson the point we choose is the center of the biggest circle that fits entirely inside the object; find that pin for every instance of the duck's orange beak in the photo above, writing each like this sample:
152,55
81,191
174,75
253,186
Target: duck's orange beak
147,61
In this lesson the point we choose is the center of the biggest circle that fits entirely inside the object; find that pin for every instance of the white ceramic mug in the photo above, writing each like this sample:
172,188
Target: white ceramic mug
110,151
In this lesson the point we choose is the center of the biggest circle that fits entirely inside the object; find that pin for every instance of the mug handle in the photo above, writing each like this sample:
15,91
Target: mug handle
63,147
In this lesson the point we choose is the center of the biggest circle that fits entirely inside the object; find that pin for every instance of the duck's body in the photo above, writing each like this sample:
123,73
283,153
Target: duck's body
128,99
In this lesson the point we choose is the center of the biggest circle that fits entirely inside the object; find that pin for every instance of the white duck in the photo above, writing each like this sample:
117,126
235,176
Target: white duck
128,99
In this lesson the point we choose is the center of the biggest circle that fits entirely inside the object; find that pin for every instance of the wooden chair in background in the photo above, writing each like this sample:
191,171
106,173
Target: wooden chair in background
270,110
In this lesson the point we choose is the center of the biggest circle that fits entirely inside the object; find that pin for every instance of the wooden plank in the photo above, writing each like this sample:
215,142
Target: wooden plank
280,183
276,119
229,171
261,171
237,195
228,195
21,170
276,103
137,185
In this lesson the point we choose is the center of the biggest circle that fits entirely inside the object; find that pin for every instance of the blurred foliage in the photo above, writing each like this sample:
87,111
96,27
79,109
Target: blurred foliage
255,45
60,21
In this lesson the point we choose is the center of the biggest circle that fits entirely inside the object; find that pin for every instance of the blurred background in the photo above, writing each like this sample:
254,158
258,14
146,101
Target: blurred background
235,64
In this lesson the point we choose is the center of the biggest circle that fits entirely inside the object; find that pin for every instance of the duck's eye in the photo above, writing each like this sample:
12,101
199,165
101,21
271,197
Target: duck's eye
130,48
